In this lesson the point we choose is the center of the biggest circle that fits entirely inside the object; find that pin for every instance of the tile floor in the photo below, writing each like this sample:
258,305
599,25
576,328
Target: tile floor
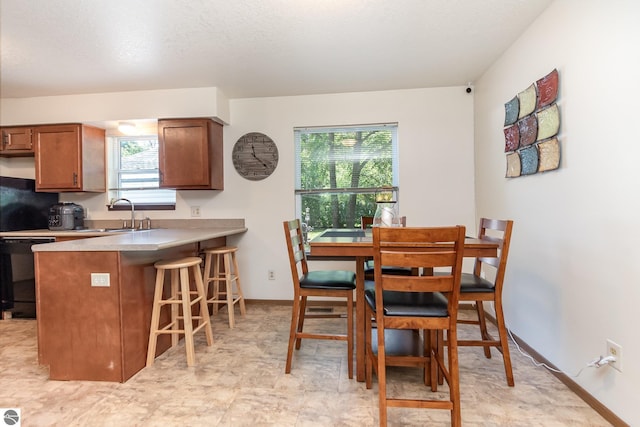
240,381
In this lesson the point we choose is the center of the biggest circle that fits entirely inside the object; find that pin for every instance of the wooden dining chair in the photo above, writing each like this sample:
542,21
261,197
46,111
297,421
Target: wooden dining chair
320,283
477,288
426,303
367,222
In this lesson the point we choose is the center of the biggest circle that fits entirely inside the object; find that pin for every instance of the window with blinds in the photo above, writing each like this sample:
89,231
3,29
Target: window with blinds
339,171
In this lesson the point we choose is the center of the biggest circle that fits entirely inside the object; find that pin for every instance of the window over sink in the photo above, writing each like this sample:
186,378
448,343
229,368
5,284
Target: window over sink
134,173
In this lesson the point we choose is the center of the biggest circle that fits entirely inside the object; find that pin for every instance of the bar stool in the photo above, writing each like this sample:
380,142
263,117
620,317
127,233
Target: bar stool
180,296
228,276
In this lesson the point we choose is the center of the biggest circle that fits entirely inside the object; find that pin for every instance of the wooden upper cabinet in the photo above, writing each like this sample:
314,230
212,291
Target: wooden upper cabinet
70,157
17,141
190,154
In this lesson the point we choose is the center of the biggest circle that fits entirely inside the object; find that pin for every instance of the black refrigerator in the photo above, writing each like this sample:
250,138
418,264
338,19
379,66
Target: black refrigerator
21,208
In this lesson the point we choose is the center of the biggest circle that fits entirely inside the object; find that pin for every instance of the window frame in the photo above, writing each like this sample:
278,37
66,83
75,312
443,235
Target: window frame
392,187
115,173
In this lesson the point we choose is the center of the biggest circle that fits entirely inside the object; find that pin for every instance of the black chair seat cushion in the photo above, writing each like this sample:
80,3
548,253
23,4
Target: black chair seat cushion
329,279
422,304
398,271
472,283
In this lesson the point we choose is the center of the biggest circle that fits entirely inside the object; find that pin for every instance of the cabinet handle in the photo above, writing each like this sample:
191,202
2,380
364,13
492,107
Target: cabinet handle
75,178
160,176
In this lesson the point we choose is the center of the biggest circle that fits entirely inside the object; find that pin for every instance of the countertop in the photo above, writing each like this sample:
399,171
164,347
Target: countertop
140,240
170,233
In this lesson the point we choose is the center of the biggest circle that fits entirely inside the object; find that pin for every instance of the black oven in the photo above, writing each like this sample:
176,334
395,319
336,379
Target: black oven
17,278
21,208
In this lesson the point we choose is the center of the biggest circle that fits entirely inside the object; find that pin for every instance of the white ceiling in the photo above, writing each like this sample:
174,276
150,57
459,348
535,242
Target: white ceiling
252,48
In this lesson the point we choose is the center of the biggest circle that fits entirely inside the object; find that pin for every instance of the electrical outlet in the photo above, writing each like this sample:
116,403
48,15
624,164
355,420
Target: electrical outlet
195,211
615,350
271,275
101,280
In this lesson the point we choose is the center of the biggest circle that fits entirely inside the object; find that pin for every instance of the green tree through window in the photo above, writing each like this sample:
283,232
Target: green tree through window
340,170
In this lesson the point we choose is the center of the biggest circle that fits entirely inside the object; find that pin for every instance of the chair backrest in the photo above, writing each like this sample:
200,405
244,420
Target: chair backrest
498,231
367,221
295,247
433,247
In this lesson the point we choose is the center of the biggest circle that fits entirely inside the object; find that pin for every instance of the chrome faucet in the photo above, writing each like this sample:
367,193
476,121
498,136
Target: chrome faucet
133,220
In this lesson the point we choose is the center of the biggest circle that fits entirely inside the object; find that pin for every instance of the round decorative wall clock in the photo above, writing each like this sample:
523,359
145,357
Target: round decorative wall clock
255,156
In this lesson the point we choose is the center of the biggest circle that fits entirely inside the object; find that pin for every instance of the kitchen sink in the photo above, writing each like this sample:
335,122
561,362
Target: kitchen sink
109,230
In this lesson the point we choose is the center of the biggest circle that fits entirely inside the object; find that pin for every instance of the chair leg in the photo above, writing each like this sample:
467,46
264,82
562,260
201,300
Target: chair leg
186,317
204,310
382,378
228,289
433,364
454,377
440,350
303,308
368,356
504,344
426,352
350,335
216,282
295,313
206,274
175,308
155,318
243,309
483,328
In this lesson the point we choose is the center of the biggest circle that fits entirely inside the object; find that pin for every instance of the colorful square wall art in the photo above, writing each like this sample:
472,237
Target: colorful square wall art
527,100
528,127
513,165
529,160
548,122
511,138
511,111
549,155
547,89
531,126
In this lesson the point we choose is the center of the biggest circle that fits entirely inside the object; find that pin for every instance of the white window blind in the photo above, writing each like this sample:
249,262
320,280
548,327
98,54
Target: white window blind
340,169
135,173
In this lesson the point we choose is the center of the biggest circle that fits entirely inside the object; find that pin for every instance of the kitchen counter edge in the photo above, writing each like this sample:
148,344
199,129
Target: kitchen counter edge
144,240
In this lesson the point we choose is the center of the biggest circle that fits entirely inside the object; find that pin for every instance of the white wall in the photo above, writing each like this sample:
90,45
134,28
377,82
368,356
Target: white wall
100,107
572,280
435,133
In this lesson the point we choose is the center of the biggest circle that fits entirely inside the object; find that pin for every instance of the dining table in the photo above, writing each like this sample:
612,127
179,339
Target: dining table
357,244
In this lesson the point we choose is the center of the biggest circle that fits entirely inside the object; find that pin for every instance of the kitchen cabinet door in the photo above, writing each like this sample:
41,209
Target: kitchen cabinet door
16,141
70,158
190,154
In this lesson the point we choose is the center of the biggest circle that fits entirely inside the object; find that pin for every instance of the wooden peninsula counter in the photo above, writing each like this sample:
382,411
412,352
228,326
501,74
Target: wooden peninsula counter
100,333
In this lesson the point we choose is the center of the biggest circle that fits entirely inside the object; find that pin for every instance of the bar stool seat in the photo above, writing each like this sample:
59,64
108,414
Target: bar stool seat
180,296
225,256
